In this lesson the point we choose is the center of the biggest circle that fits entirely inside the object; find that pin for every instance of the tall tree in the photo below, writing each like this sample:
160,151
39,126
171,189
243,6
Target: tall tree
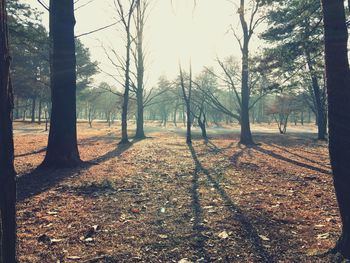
7,171
338,90
125,17
62,149
248,29
140,20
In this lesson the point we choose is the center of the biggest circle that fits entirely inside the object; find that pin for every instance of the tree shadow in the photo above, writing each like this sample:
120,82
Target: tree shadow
283,158
235,157
87,141
31,153
299,156
41,180
249,230
214,148
198,225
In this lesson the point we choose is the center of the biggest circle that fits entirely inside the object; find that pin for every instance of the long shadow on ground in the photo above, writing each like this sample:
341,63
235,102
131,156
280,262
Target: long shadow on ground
198,225
299,156
40,180
250,232
283,158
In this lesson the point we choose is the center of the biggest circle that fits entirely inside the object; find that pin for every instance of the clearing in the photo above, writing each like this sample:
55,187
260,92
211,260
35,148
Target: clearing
160,200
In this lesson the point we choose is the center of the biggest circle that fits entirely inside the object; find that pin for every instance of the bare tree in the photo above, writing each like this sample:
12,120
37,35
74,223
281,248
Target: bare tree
230,79
187,98
140,20
7,171
248,26
125,18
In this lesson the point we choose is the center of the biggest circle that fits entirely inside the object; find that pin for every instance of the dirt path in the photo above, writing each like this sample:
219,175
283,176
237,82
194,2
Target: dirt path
159,200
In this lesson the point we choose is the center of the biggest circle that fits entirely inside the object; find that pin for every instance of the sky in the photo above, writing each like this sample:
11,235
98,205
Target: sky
176,31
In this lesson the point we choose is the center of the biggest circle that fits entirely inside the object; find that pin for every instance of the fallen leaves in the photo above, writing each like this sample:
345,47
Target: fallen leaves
223,235
147,203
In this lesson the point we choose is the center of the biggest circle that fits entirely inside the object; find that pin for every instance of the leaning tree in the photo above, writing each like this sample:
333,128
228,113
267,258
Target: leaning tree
338,91
7,171
62,149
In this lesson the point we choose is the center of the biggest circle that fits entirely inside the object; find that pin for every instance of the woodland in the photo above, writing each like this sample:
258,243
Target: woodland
245,161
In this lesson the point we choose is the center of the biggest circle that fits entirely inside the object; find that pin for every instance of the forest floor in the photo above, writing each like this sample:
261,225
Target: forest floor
160,200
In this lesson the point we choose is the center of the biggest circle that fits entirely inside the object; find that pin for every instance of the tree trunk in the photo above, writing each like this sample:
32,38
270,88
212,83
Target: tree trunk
17,108
140,21
338,89
140,133
302,118
188,123
202,125
246,135
320,107
62,149
7,171
124,122
39,112
33,109
46,120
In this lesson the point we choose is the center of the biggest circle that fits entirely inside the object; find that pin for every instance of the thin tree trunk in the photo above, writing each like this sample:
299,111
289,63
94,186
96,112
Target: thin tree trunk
46,120
338,89
39,112
7,171
202,125
175,115
140,21
140,133
33,109
320,110
62,149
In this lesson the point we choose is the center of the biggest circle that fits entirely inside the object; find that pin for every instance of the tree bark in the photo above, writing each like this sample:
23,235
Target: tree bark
7,171
62,149
140,133
246,134
338,90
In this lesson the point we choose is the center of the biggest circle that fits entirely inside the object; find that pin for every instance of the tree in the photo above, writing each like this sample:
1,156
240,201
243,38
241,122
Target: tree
62,149
125,18
159,100
281,108
229,100
248,29
7,171
205,82
140,20
296,30
338,90
85,67
187,95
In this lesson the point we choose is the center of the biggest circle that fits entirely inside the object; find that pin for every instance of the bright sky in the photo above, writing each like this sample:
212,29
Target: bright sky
176,31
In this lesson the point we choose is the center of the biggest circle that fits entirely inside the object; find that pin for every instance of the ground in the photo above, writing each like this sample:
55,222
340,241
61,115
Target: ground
160,200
